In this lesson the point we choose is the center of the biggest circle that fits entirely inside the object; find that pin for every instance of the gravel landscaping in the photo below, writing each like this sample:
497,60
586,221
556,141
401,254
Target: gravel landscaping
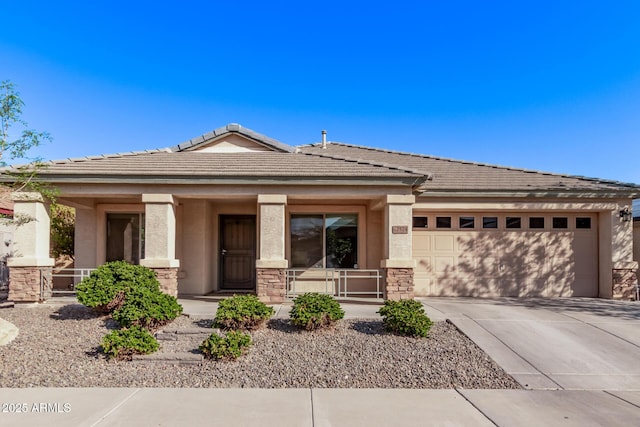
59,347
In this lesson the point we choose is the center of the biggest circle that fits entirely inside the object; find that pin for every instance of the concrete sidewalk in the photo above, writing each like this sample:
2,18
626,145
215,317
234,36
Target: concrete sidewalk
314,407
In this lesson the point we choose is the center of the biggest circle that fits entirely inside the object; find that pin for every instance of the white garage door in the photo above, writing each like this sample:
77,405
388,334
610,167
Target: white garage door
489,254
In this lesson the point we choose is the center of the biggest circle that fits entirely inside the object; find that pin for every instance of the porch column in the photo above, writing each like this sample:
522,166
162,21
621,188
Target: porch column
160,240
30,265
617,267
398,260
271,263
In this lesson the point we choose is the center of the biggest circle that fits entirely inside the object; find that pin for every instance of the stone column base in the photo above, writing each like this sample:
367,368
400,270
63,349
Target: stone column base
398,283
624,281
168,278
270,284
30,284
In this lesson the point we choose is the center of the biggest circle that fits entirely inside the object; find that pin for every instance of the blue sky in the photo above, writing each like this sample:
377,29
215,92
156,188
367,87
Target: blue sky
551,86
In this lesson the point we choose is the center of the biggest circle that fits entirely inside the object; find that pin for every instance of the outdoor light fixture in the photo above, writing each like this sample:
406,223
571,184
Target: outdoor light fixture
625,214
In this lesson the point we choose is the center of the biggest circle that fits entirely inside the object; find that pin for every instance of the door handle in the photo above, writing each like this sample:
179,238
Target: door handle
224,252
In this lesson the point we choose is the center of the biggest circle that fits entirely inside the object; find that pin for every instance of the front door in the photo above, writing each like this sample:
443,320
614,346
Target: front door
237,252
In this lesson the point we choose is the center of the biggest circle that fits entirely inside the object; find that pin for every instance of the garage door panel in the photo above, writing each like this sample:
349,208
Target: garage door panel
443,243
521,262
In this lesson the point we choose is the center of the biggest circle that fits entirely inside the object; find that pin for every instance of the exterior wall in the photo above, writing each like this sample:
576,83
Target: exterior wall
196,248
86,236
636,239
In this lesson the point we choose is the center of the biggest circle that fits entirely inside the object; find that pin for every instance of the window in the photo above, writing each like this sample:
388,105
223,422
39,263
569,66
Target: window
324,241
420,222
583,223
467,222
443,222
560,222
536,222
489,222
514,222
125,237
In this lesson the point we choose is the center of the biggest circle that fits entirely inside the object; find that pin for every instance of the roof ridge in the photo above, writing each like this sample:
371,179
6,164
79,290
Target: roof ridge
466,162
371,163
233,128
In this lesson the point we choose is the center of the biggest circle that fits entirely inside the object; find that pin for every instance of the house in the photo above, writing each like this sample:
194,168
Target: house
636,231
6,237
234,211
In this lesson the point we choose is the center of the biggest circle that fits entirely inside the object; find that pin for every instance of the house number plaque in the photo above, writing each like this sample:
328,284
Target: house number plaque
400,229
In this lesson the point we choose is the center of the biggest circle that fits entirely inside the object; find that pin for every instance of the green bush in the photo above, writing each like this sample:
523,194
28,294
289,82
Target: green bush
242,312
233,345
106,287
313,310
406,317
123,343
148,308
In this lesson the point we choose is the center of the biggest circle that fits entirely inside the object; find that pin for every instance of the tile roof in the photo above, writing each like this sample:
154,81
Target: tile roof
230,129
456,175
164,164
311,162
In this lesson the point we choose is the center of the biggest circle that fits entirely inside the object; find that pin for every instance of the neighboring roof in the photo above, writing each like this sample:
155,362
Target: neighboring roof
232,128
6,204
457,175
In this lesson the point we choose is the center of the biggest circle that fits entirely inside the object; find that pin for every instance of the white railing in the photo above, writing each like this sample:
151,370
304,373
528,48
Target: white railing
76,274
333,281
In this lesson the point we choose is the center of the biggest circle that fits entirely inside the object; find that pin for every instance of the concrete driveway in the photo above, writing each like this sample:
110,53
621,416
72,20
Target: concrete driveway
572,344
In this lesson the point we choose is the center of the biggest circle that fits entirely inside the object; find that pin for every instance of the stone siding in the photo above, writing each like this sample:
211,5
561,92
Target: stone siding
624,281
168,278
270,284
398,283
24,284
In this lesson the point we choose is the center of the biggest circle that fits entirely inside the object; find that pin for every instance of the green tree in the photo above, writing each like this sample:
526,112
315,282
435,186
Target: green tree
63,220
16,140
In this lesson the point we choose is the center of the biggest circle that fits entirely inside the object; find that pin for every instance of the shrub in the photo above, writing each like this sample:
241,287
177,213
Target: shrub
148,308
233,345
106,287
313,310
123,343
406,317
242,312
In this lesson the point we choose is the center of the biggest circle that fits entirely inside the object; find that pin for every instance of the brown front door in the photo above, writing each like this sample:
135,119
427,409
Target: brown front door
237,252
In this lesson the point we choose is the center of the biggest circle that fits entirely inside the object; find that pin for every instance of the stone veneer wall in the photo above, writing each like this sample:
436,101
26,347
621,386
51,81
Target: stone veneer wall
398,283
270,284
24,284
624,281
168,278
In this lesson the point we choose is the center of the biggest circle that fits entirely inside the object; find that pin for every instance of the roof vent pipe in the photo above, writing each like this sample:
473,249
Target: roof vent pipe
324,139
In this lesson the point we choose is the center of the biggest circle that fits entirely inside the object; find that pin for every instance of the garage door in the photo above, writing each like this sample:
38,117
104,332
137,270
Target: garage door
537,254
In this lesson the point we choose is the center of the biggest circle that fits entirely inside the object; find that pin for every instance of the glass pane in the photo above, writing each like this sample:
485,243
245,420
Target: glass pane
583,222
560,222
467,222
124,237
536,222
420,222
514,222
342,240
490,222
443,222
306,241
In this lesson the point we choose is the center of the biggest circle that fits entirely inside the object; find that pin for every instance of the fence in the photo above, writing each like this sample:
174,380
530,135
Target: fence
337,282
